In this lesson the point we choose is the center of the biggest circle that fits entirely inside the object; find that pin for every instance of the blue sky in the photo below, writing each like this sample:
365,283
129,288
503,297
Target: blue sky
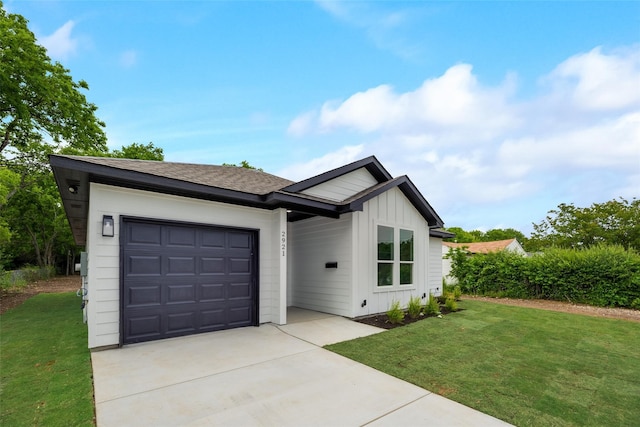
497,111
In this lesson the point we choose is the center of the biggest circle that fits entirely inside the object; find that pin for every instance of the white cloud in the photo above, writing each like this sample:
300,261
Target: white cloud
597,81
383,27
302,124
322,164
60,45
613,143
128,58
467,145
453,104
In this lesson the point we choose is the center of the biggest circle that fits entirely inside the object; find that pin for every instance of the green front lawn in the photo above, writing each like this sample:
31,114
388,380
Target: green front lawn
525,366
45,364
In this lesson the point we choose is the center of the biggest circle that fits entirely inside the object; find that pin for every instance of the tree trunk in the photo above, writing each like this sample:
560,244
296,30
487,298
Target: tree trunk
36,246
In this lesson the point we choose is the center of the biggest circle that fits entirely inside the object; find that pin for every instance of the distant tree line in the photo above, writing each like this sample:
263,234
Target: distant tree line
616,222
474,236
586,255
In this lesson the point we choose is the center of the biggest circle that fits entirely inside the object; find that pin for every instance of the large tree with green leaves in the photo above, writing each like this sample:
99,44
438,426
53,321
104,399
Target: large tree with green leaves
43,110
33,224
140,152
616,222
39,100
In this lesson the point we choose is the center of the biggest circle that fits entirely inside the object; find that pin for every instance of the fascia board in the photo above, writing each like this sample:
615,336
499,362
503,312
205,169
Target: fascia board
373,166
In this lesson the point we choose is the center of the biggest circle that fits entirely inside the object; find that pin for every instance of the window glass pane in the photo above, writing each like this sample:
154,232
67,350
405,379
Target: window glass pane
406,245
406,274
385,274
385,243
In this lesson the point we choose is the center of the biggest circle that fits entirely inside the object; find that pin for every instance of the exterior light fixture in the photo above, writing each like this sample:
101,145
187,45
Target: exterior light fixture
73,189
107,226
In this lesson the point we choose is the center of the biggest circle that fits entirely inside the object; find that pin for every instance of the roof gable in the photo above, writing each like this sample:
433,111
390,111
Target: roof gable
371,164
343,187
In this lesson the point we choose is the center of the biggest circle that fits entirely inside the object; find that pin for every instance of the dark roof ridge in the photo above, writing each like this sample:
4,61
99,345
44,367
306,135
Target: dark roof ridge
371,163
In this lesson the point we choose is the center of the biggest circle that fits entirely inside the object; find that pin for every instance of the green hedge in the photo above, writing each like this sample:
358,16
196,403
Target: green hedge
607,276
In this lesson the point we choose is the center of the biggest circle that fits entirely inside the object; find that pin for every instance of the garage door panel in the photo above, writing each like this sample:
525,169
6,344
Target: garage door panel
212,292
143,295
180,294
180,280
240,266
212,265
239,316
145,327
239,290
181,237
144,234
181,322
213,319
213,239
139,265
239,240
181,265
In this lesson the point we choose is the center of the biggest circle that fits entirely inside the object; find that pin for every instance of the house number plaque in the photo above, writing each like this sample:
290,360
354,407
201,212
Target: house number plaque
283,242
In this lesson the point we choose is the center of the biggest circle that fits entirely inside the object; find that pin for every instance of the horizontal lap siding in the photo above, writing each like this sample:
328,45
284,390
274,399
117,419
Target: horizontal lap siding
344,186
313,243
104,252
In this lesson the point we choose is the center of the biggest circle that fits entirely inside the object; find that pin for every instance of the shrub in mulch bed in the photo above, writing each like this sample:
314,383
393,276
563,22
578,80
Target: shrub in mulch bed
381,320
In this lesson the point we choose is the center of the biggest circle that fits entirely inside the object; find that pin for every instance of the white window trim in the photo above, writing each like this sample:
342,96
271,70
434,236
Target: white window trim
396,286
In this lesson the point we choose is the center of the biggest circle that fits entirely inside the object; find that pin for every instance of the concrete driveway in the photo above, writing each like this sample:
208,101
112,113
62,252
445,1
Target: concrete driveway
267,376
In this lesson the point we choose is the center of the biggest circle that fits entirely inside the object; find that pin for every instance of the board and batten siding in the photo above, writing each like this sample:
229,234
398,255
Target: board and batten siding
434,277
343,187
103,310
391,209
313,243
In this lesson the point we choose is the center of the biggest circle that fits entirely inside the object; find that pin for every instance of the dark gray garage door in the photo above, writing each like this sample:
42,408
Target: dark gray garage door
181,279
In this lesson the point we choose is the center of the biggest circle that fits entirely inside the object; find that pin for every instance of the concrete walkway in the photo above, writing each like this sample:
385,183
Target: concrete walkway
265,376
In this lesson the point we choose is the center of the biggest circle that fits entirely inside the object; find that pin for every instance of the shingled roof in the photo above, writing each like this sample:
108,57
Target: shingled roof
482,247
251,181
227,184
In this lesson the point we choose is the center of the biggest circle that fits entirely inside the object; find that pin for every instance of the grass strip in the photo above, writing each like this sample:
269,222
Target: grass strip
526,366
45,364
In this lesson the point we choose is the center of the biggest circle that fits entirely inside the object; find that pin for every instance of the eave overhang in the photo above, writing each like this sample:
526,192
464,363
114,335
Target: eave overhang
75,172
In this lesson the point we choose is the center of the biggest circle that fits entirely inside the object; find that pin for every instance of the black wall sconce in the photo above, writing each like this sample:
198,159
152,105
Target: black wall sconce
107,226
331,264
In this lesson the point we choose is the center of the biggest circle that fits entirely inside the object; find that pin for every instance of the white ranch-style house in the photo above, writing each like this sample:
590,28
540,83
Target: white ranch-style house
195,248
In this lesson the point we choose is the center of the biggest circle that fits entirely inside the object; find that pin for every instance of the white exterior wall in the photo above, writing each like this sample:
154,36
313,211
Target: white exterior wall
104,252
446,265
516,247
314,242
344,186
392,209
436,265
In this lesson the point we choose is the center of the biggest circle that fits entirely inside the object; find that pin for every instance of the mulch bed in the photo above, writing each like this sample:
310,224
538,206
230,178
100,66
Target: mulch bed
381,320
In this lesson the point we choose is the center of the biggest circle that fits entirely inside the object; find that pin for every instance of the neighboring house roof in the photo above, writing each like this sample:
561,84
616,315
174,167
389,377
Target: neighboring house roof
228,184
482,247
